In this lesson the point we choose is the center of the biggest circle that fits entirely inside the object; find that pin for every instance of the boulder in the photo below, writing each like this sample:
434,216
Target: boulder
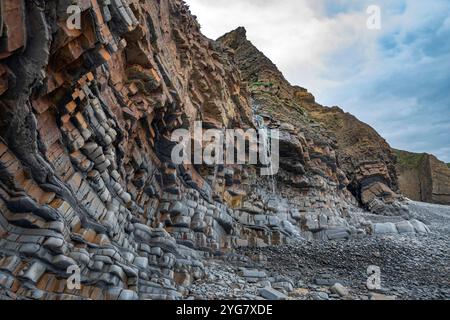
385,228
405,227
272,294
420,227
339,289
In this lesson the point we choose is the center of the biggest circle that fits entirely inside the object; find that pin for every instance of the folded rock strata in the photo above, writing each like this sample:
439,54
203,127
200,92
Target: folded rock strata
86,178
422,177
336,144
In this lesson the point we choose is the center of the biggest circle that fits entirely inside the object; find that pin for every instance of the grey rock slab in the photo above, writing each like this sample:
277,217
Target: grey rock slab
285,285
326,281
338,233
420,227
319,296
339,289
10,263
385,228
405,227
63,262
381,297
128,295
272,294
35,272
252,273
141,262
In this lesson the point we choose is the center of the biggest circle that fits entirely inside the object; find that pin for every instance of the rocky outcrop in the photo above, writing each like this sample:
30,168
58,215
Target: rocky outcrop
341,146
422,177
86,117
87,185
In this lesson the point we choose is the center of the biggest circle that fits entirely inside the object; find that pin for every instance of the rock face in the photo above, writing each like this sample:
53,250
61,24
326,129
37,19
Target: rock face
336,143
87,186
422,177
85,120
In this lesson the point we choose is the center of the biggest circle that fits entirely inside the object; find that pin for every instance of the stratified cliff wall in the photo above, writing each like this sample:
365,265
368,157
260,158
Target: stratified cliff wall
422,177
340,145
86,178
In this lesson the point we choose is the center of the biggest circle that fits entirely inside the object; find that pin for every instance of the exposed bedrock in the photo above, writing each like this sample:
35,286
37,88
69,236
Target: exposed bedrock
422,177
336,145
86,178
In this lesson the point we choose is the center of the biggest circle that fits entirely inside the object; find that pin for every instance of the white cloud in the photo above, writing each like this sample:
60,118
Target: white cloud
390,78
294,34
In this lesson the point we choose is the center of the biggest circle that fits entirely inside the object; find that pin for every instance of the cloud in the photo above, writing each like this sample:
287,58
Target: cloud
396,79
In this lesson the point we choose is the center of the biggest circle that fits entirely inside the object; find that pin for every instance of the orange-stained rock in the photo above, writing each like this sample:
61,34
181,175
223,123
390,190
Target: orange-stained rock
71,106
422,177
86,176
13,14
3,79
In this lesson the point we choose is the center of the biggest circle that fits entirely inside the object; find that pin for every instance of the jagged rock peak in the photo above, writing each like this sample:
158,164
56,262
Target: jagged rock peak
256,67
238,34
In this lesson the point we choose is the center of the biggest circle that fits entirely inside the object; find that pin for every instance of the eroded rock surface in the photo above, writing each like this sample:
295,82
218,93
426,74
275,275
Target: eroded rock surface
86,177
422,177
336,145
409,267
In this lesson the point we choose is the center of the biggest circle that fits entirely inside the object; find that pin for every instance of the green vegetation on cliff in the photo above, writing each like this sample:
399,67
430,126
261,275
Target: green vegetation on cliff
262,84
408,160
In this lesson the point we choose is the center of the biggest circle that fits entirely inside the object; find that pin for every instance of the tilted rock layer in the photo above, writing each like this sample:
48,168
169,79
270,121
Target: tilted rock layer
422,177
86,181
360,159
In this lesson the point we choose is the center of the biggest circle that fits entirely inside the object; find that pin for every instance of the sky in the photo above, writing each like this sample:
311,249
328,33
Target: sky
395,78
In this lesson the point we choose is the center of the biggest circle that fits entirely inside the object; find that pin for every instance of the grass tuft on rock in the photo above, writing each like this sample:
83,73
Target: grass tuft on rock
409,160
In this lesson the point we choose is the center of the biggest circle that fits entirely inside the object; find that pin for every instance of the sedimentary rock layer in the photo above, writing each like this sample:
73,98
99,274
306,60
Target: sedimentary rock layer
422,177
86,177
85,120
343,146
